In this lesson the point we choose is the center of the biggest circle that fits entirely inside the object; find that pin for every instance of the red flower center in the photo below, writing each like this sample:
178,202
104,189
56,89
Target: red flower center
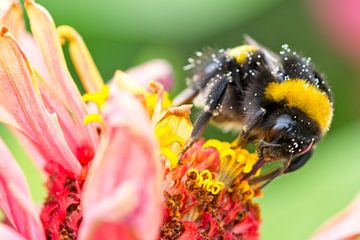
61,214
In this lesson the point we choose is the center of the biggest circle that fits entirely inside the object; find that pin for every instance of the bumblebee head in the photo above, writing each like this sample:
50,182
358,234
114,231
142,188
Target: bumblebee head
290,132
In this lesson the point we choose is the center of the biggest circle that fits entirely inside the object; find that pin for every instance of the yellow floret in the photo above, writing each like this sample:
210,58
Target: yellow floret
233,162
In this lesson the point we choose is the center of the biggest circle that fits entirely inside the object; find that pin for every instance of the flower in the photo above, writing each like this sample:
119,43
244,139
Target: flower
345,225
111,156
100,160
207,196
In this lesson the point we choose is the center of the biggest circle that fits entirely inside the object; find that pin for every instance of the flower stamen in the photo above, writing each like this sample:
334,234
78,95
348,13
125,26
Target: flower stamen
233,162
93,117
99,98
205,180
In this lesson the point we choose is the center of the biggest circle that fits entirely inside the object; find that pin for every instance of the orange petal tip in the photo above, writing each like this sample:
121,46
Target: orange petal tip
4,31
183,111
26,2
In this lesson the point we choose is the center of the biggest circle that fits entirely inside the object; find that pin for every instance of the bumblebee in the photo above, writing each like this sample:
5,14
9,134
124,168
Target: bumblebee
279,100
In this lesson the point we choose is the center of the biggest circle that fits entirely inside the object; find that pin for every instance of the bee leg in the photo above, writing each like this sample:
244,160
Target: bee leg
243,136
186,96
298,162
270,175
259,164
276,174
198,129
262,161
212,103
289,166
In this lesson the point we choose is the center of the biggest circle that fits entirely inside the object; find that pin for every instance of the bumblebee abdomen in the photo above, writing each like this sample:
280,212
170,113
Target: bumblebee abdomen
299,93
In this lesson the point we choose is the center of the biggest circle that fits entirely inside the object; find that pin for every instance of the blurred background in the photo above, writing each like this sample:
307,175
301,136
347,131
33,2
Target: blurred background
121,34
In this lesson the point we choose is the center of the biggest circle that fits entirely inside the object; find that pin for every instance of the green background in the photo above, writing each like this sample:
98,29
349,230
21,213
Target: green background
121,34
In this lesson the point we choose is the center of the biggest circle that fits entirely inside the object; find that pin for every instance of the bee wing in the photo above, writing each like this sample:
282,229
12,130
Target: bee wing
273,59
203,67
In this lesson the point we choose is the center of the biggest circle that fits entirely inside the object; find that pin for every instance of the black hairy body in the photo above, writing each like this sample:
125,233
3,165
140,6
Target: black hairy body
257,93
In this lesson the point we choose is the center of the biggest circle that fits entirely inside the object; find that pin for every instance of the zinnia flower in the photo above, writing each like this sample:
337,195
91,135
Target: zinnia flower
111,156
119,194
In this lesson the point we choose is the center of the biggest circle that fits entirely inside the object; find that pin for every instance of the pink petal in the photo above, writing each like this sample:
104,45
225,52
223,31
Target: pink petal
46,36
21,106
10,15
14,19
7,233
30,148
155,70
345,225
76,134
122,186
15,199
32,51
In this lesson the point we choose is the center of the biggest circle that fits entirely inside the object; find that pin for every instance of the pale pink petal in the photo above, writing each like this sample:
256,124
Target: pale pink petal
122,186
14,19
5,5
74,131
32,51
11,15
30,148
156,70
21,106
74,134
15,199
46,36
345,225
7,233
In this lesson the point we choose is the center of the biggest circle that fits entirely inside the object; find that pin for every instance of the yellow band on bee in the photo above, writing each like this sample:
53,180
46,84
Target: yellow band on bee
299,93
240,53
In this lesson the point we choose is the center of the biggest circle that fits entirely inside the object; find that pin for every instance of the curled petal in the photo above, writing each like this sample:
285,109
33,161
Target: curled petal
46,36
21,106
15,199
345,225
153,71
7,233
122,186
82,60
172,131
